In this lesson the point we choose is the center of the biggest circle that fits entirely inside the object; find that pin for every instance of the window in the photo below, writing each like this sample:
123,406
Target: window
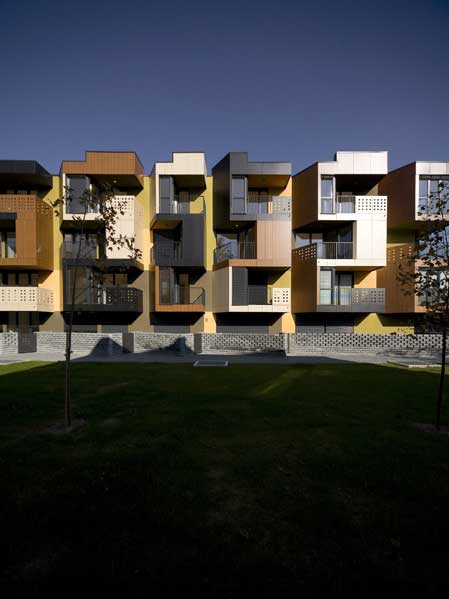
327,194
436,284
11,244
166,194
325,286
239,190
438,242
433,189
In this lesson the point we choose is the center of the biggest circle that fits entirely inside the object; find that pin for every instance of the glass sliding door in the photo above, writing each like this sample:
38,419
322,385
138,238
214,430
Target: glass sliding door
239,195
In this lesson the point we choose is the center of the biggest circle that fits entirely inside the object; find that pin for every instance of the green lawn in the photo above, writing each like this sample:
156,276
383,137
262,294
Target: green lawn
246,480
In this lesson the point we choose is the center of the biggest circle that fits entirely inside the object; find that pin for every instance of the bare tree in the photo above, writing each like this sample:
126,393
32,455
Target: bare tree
426,273
107,208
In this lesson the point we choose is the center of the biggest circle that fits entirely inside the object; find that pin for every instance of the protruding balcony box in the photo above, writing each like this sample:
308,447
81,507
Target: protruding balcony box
27,232
345,189
26,299
249,191
353,299
171,296
412,190
364,253
106,299
120,171
179,206
233,293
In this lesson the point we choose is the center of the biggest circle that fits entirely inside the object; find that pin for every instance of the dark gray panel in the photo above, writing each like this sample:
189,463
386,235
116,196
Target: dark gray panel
239,286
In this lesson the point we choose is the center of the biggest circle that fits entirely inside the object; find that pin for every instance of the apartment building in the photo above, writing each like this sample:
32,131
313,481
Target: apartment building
411,190
252,227
340,232
248,248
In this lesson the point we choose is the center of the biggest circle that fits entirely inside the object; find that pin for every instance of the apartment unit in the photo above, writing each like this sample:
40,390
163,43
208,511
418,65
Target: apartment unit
248,248
411,190
340,230
27,293
252,227
109,288
181,205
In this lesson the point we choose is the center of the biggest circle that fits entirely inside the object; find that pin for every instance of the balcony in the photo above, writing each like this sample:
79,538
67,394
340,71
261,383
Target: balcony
178,206
241,250
350,299
28,232
26,299
261,204
331,250
106,299
182,298
169,254
352,204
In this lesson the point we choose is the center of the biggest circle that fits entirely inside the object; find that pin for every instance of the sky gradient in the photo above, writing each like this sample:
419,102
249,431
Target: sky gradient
289,81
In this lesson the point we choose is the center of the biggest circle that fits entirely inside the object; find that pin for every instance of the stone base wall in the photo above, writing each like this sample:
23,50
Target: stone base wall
163,341
117,343
247,342
8,343
355,342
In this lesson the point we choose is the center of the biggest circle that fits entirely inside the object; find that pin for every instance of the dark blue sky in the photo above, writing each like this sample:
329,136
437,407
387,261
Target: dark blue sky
283,80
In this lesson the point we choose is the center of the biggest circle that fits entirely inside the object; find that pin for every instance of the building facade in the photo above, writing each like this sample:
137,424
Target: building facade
249,248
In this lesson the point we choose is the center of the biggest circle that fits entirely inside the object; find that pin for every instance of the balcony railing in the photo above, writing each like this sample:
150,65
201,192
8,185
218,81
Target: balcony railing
26,299
183,295
241,250
350,296
176,206
258,204
329,250
166,253
352,204
114,298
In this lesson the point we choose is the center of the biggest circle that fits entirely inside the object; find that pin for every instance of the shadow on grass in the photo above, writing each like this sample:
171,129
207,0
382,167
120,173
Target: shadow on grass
257,479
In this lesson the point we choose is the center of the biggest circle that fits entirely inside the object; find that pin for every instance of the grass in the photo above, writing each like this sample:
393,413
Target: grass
221,482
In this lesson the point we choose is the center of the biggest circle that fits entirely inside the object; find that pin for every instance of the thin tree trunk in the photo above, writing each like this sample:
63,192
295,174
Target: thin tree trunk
442,374
68,337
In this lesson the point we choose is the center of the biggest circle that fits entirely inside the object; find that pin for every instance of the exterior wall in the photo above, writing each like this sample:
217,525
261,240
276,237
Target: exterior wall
383,323
305,193
34,232
305,283
399,186
105,163
183,163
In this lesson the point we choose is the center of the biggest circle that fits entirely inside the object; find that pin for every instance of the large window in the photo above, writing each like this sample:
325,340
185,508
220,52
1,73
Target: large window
436,286
327,194
8,244
432,191
239,193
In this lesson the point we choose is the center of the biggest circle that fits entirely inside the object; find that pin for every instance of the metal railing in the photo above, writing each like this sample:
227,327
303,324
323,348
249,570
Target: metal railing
353,204
258,294
352,296
89,249
183,295
120,298
175,206
163,253
239,250
335,250
261,204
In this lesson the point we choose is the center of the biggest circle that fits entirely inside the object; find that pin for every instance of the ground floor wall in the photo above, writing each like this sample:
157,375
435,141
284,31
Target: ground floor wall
234,322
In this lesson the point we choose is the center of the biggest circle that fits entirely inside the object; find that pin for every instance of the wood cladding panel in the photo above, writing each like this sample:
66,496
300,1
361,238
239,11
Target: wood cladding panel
396,298
399,187
105,163
273,243
34,232
305,197
304,286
